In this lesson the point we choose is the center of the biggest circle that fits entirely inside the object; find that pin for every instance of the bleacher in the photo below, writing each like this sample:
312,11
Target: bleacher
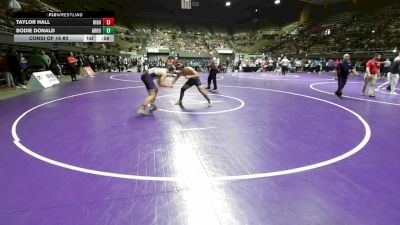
196,30
6,22
347,31
340,18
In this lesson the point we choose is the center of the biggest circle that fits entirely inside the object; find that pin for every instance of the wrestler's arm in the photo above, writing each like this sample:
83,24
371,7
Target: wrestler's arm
161,81
175,79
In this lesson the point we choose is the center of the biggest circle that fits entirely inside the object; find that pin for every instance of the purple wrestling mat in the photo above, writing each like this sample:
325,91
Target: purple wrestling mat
272,150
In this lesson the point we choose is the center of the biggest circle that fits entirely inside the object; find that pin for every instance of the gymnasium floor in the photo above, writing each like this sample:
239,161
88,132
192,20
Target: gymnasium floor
272,150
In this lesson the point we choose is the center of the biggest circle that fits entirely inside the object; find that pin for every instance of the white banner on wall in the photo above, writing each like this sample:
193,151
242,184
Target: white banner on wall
153,50
224,51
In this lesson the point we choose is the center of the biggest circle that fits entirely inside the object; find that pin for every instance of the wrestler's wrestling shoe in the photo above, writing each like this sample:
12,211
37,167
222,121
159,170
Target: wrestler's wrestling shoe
142,111
153,107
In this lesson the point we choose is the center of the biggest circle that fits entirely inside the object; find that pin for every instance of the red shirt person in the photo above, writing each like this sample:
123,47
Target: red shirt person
72,63
371,75
374,66
336,63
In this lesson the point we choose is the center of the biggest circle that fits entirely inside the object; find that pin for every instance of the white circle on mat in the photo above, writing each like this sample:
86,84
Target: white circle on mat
18,142
241,105
312,86
113,77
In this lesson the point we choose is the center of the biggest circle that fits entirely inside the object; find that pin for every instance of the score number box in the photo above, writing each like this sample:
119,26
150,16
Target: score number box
108,21
108,30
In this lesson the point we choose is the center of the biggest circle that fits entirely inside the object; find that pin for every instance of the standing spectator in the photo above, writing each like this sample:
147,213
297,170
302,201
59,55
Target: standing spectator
5,66
329,65
227,62
103,63
317,64
386,67
285,65
98,63
92,62
15,67
145,65
134,62
118,63
297,64
139,65
168,63
72,64
55,65
23,63
394,71
307,63
323,65
160,62
392,78
79,60
278,68
46,59
125,63
312,66
371,75
109,63
36,61
86,61
397,58
270,64
263,66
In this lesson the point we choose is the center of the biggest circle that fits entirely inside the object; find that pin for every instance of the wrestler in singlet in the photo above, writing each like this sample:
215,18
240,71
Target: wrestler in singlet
148,78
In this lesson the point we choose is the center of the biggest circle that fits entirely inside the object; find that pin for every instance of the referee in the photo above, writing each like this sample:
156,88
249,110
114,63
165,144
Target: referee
343,70
213,72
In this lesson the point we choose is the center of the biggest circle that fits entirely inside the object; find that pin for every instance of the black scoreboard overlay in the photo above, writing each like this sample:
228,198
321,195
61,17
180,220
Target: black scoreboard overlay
64,26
